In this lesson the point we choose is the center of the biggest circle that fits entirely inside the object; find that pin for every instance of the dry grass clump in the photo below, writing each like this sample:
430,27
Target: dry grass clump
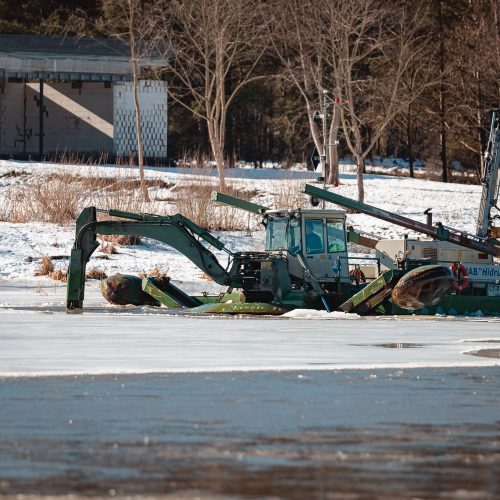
44,199
289,196
194,202
13,173
159,277
45,267
108,248
120,239
56,200
121,192
58,275
126,201
59,197
135,184
195,159
156,272
95,274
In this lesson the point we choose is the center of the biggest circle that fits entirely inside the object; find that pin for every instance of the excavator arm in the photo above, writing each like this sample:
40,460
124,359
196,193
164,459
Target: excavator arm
176,231
440,232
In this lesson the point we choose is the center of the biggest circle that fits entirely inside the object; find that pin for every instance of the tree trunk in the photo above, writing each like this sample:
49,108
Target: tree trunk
135,84
218,151
140,154
360,162
442,101
219,159
360,168
409,141
443,136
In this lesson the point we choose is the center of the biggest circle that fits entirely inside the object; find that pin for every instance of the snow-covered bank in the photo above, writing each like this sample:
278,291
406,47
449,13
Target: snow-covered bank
21,245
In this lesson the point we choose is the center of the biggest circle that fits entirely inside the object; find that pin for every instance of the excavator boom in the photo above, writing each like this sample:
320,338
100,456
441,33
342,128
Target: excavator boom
438,232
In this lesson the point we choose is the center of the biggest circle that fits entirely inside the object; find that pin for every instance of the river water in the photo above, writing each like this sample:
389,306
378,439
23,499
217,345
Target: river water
379,433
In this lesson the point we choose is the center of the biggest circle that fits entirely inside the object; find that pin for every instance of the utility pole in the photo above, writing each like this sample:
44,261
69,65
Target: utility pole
324,164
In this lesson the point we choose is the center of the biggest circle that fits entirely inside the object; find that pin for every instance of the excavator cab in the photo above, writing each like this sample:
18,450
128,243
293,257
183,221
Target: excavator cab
314,242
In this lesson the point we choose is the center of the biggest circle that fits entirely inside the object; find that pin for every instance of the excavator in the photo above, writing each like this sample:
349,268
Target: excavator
305,262
294,270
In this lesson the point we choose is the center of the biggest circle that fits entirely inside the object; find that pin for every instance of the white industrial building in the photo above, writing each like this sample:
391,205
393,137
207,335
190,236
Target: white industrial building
61,94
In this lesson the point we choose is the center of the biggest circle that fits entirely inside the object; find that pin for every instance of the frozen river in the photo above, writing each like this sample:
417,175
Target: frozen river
39,338
137,402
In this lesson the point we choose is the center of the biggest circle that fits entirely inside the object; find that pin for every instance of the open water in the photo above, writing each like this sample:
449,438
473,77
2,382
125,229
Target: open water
397,433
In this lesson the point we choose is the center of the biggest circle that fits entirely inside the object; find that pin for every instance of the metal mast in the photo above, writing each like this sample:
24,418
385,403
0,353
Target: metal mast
490,180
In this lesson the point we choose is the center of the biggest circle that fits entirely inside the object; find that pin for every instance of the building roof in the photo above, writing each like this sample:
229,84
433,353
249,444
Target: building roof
40,44
67,58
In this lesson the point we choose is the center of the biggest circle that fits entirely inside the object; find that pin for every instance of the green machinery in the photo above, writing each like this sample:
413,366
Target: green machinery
476,285
304,265
473,258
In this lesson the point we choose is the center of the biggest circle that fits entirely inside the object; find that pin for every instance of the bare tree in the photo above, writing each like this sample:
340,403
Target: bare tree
215,48
373,47
474,69
417,82
360,51
295,34
125,20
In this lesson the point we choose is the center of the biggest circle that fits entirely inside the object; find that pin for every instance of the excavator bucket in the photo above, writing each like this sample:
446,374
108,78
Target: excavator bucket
421,287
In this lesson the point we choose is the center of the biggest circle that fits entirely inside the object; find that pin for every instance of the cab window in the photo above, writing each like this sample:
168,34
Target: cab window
276,234
314,236
336,236
294,244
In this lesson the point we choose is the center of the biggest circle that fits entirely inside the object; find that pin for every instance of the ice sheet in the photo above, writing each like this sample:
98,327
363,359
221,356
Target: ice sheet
39,338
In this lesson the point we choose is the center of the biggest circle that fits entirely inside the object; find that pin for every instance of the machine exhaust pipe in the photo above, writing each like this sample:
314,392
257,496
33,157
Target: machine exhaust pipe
428,212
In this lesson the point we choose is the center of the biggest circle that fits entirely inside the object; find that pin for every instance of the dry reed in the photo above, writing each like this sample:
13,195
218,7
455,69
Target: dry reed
96,274
58,275
45,267
194,202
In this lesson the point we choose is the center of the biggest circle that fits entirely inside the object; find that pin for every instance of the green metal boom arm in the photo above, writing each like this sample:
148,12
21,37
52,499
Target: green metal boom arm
254,208
176,231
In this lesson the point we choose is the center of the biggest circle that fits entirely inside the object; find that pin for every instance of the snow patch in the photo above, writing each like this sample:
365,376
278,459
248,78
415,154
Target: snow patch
313,314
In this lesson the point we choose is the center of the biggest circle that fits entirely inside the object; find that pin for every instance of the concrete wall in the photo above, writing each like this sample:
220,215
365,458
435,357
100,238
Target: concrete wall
73,119
153,105
2,111
14,129
92,118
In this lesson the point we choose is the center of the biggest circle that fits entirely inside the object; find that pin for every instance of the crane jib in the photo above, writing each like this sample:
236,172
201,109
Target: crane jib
438,232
